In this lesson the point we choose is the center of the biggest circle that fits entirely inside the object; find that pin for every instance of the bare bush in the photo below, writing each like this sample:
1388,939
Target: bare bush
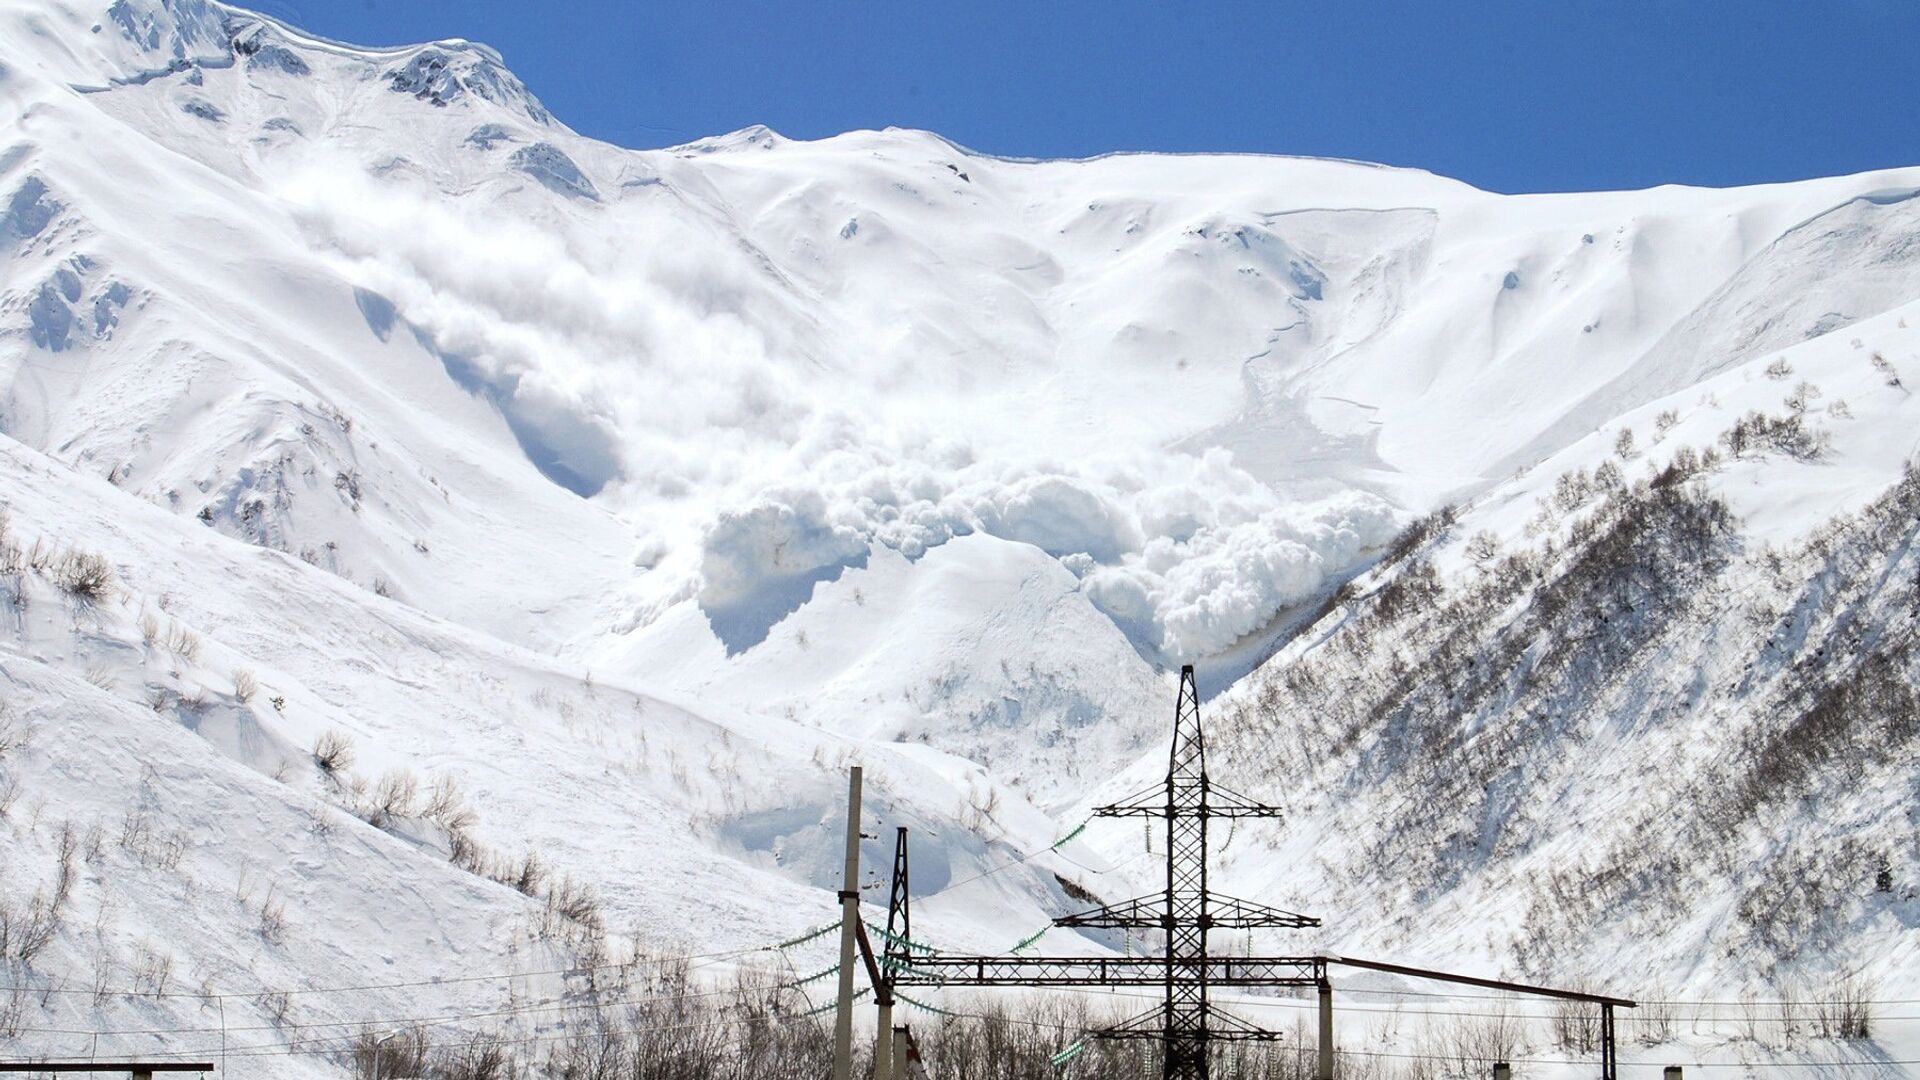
244,686
527,875
1479,1041
466,853
152,970
12,559
446,806
576,903
1787,434
25,931
1845,1008
1576,1025
183,643
333,753
403,1053
394,797
1483,548
84,575
1657,1020
273,919
14,735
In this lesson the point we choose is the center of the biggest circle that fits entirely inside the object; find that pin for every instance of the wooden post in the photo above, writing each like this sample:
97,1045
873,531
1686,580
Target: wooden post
1502,1071
849,924
1325,1071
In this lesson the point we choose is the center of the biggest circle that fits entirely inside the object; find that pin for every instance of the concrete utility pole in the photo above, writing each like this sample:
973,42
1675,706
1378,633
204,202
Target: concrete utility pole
1325,1071
849,926
883,1043
901,1044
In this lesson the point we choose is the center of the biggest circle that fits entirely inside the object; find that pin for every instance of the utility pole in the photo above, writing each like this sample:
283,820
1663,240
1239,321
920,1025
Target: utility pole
1324,1068
849,926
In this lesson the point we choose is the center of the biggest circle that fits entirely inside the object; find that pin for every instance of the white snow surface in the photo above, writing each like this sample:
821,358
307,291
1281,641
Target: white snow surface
643,491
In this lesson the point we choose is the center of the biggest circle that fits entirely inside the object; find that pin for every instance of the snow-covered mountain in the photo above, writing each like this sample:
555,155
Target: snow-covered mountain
614,501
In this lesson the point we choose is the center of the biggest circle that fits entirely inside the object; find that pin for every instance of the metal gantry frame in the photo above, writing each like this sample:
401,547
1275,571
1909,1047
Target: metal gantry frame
1188,1021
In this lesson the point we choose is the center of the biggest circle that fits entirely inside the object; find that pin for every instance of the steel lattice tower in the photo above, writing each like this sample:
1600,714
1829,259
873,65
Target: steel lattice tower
1187,1022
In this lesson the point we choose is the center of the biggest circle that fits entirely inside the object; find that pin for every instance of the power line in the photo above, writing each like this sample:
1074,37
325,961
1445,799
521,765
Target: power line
646,961
306,1046
1067,1033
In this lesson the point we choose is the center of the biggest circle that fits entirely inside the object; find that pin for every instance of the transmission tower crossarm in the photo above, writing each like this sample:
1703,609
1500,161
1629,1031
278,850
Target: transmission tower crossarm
1233,913
1213,802
1150,912
1102,971
1221,1026
1140,912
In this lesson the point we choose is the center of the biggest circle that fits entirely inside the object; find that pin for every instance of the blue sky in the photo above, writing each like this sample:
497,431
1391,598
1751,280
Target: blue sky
1540,96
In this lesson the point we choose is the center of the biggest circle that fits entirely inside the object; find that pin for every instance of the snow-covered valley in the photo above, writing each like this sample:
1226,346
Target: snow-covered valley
444,554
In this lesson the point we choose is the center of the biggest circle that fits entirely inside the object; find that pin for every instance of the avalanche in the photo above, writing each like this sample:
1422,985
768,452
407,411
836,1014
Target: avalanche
605,504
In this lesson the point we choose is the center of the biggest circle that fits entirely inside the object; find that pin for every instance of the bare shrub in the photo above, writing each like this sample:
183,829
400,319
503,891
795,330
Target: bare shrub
1416,535
14,735
1657,1020
1845,1008
12,559
1479,1041
276,1004
84,575
1576,1025
333,753
244,686
466,853
152,970
394,797
1787,434
25,931
152,847
273,919
405,1053
1483,548
527,876
576,903
183,643
446,806
482,1056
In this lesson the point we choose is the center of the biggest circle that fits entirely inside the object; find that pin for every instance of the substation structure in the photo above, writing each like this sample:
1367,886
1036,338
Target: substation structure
1187,1022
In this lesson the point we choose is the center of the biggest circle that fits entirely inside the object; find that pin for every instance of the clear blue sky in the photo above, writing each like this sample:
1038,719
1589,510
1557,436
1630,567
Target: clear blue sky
1535,96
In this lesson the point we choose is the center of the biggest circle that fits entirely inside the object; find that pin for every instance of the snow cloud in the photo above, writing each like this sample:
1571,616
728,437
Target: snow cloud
761,443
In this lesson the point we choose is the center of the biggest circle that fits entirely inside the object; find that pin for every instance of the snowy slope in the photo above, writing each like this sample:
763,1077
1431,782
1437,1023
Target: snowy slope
644,490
